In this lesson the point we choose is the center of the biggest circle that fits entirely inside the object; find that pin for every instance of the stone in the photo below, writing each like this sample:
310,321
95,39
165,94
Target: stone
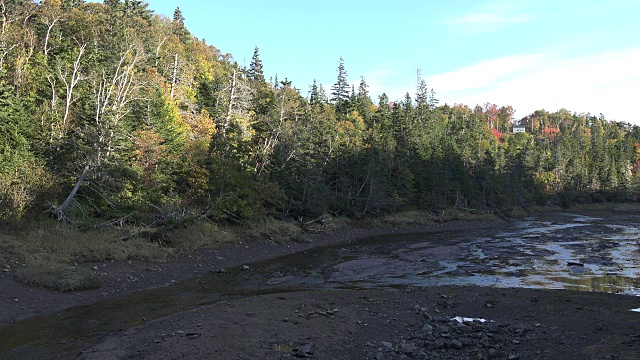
495,354
456,344
306,349
387,344
408,348
444,329
379,356
466,341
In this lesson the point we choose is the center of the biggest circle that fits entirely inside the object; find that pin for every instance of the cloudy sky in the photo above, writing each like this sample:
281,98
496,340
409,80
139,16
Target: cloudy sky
582,55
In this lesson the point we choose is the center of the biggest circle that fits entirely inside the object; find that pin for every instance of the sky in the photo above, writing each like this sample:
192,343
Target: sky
582,55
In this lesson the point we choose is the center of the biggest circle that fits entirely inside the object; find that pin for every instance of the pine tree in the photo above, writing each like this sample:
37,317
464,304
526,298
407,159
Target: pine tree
340,90
314,93
179,27
177,16
255,68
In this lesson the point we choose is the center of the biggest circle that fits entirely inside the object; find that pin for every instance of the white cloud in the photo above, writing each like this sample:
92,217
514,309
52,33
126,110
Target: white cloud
490,16
605,83
483,73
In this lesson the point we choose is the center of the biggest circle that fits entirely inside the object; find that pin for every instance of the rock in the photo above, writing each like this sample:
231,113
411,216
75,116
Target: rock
427,328
303,351
245,268
379,356
444,329
495,354
442,319
513,357
387,344
408,348
456,344
95,267
193,335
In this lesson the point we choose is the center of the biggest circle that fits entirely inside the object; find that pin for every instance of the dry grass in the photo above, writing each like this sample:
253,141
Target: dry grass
68,243
269,228
57,276
413,217
416,217
201,234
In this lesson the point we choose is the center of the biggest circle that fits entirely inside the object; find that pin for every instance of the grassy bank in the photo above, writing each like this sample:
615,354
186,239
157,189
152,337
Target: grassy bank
57,255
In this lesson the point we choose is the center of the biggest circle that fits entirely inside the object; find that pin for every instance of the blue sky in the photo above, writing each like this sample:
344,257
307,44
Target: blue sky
582,55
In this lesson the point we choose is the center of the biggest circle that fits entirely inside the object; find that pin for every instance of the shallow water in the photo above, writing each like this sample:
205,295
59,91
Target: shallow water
565,251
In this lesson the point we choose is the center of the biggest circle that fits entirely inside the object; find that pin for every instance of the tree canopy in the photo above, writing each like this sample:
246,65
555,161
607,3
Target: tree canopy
108,110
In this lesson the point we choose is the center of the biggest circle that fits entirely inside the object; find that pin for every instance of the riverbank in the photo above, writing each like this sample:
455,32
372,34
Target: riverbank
404,322
118,278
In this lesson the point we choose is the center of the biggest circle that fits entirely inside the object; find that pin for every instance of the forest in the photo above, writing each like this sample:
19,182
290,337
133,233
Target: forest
110,112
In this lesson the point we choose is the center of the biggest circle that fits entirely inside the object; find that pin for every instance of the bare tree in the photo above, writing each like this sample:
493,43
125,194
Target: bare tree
113,93
70,78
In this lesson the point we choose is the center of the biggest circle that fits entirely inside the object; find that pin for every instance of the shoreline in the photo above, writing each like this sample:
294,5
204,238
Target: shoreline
119,278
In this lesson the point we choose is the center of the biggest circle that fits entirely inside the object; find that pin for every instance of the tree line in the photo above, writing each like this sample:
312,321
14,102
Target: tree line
109,111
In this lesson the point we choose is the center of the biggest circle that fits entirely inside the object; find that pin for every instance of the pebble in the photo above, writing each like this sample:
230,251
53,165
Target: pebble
456,344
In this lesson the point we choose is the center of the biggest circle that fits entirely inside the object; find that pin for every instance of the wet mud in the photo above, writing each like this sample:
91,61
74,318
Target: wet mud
561,251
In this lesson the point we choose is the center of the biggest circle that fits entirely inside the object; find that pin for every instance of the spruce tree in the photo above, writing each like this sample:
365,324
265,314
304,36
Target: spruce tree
255,68
340,90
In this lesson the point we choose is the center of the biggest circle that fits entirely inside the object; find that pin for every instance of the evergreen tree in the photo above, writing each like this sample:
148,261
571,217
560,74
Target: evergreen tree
340,90
179,27
314,94
255,68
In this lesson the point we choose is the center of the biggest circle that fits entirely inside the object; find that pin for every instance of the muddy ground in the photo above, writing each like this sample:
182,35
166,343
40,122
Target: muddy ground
391,324
330,324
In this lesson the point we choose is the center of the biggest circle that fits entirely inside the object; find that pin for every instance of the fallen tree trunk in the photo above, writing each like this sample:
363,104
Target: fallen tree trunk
61,211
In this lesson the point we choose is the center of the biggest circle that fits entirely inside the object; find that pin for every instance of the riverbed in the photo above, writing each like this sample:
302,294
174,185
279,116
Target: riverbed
564,251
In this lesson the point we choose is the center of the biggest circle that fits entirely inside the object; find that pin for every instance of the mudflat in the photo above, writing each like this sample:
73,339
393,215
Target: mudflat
242,302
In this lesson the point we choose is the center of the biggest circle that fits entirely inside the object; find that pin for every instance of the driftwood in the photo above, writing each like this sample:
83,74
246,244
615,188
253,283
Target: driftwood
321,220
61,212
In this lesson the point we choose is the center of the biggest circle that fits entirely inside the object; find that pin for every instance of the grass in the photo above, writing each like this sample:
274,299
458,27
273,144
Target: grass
93,245
200,234
42,252
57,276
417,217
280,232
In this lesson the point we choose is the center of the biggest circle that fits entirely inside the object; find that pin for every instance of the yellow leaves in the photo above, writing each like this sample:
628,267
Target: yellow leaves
546,181
52,3
147,148
201,126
